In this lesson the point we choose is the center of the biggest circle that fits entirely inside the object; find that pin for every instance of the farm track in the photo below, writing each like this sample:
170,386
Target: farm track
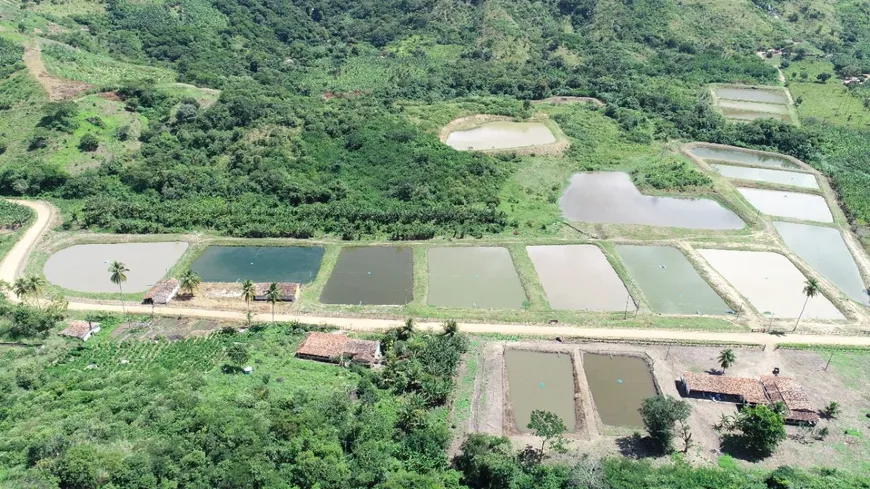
15,260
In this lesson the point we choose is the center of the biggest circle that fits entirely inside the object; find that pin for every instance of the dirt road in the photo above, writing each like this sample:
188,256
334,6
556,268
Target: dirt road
15,260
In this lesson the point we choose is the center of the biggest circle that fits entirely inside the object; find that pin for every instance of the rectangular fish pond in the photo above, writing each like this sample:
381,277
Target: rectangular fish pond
742,156
540,381
796,179
474,277
669,281
611,197
579,277
84,268
619,384
775,95
825,251
501,135
807,207
259,263
374,275
770,282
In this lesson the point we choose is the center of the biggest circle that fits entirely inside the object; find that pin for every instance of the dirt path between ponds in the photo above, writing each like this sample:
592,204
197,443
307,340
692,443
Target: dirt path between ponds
13,263
56,88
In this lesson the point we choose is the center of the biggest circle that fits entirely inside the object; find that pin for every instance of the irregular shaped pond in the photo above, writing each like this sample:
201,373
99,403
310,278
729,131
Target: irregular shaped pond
797,179
611,197
742,156
540,381
579,277
376,275
770,282
826,252
259,263
85,267
482,277
619,384
501,135
796,205
775,96
669,281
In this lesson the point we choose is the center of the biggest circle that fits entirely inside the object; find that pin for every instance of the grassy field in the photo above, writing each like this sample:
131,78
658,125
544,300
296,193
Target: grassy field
831,102
75,64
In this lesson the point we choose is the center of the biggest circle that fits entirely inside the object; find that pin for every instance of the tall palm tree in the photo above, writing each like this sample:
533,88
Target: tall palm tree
118,275
189,282
249,291
726,358
35,284
21,287
811,289
273,295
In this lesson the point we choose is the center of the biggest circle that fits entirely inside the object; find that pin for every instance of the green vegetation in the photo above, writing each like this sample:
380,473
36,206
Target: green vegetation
13,216
660,415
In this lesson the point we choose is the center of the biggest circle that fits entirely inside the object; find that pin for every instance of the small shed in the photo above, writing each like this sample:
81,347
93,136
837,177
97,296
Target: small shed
732,389
793,395
289,291
162,292
330,347
80,329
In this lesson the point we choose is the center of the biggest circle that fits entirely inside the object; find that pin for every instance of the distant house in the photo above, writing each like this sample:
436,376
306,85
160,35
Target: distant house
723,388
162,292
80,329
331,347
289,291
790,393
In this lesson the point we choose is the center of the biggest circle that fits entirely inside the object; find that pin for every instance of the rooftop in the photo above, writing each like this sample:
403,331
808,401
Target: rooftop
750,390
162,292
80,329
330,346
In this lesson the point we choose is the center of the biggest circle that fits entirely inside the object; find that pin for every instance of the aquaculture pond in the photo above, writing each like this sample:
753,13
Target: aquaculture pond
501,135
797,179
84,268
808,207
825,251
742,115
540,381
259,263
758,107
476,277
374,275
770,282
742,156
619,384
775,96
579,277
611,197
669,281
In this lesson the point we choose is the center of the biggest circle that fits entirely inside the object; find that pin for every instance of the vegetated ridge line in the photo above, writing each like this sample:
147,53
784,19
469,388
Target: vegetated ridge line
15,260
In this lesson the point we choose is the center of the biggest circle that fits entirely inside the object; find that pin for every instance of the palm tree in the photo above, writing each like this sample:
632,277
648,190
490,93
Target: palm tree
189,282
726,358
273,295
811,289
249,291
118,276
21,287
407,329
36,283
450,327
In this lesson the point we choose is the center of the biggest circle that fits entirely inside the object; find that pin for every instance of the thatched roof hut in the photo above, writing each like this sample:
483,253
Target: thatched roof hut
80,329
289,291
331,347
162,292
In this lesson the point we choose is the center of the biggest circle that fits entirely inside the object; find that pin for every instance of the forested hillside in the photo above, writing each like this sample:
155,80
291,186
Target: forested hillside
310,133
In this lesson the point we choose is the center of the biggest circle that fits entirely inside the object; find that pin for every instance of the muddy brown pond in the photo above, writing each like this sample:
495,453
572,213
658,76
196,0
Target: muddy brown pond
619,384
540,381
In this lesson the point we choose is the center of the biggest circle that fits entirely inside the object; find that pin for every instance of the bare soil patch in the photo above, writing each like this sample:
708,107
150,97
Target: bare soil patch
56,88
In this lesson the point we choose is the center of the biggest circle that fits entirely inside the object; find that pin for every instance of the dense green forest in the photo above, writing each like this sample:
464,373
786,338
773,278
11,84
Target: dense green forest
158,414
310,134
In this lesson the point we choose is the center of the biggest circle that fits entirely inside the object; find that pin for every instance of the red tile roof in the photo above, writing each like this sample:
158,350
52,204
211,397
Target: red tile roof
80,329
750,390
162,292
331,346
789,392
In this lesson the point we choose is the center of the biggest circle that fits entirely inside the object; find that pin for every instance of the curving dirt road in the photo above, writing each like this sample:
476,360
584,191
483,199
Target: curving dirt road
15,260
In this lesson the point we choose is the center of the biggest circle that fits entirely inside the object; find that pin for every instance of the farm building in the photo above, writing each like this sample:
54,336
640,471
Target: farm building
790,393
80,329
162,292
289,291
331,347
720,387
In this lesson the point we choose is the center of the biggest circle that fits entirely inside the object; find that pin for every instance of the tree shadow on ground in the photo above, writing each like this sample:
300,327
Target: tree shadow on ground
637,446
735,445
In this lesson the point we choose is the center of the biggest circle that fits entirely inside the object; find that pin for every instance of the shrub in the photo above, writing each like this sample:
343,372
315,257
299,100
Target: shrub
660,414
89,143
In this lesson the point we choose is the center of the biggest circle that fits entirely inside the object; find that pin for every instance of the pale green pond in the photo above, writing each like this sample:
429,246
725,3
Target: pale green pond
796,179
501,135
807,207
